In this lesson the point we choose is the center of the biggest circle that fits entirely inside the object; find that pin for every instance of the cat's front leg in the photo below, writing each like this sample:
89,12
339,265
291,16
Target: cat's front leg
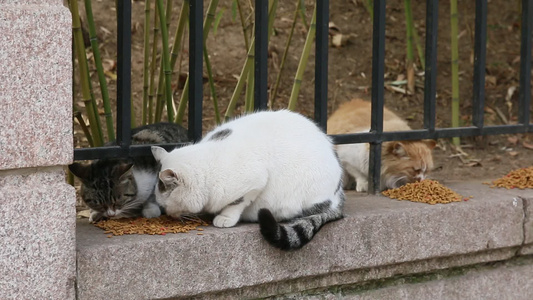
231,214
361,184
151,210
95,216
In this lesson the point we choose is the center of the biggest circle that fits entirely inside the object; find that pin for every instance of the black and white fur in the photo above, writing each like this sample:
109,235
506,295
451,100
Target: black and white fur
266,167
117,188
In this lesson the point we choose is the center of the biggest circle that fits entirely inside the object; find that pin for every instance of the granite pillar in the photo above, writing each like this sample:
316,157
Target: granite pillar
37,206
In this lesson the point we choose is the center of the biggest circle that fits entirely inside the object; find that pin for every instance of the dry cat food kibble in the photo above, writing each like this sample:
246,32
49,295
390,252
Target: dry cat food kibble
161,225
520,179
427,191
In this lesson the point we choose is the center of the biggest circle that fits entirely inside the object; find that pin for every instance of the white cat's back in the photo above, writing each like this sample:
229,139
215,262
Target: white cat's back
267,167
298,158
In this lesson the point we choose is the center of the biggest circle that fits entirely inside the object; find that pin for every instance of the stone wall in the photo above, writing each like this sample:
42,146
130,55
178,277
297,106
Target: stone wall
37,207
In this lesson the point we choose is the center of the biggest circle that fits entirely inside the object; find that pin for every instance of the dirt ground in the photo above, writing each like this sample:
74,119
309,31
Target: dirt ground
350,71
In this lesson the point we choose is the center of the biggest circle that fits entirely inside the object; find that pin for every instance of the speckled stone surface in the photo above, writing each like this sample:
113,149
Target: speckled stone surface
502,282
37,236
527,197
35,84
377,232
37,207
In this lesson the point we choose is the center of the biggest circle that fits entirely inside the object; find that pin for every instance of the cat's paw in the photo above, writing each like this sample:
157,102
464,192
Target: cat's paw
151,211
361,186
95,217
224,221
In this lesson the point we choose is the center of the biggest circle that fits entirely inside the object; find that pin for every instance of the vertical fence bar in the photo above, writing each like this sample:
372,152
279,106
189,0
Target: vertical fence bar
261,55
321,63
480,54
430,74
196,12
124,73
525,64
378,81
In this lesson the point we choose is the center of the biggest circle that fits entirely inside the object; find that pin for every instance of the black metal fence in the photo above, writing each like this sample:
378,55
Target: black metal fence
376,136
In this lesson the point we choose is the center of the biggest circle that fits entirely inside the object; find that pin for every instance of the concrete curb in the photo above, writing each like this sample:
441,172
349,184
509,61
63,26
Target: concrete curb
377,232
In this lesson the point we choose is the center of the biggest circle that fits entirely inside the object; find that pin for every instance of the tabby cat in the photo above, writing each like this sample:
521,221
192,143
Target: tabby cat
402,162
116,188
265,167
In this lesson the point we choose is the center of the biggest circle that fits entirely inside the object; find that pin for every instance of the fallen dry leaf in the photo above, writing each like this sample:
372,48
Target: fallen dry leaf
513,153
510,92
84,213
513,140
489,110
109,65
491,79
111,75
473,164
527,145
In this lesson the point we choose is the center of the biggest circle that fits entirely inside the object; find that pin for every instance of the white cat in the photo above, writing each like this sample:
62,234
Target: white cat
267,167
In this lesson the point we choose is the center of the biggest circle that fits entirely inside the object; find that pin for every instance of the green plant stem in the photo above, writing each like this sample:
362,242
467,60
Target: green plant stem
90,103
70,177
303,63
243,24
77,115
166,58
301,4
249,94
284,57
369,5
249,63
153,64
146,62
178,36
212,85
410,53
419,50
132,112
455,68
208,21
240,83
100,71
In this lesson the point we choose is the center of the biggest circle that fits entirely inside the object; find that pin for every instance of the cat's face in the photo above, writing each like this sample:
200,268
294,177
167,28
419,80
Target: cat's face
405,162
178,194
179,190
108,187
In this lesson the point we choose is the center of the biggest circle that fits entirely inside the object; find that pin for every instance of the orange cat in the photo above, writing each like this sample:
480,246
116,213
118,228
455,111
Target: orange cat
402,162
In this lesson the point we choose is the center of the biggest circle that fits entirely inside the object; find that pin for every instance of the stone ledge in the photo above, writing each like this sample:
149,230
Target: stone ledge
377,234
501,280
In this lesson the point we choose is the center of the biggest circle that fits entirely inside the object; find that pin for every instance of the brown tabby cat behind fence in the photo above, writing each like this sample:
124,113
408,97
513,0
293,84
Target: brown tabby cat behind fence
402,161
122,188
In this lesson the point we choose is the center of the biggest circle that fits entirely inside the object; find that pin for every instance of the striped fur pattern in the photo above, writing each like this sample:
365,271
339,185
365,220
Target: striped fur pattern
275,168
116,188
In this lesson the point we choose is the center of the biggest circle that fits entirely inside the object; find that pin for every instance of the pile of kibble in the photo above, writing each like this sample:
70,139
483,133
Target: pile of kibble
519,179
426,191
161,225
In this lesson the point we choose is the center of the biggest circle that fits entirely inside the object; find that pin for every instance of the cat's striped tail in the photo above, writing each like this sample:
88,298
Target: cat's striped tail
298,232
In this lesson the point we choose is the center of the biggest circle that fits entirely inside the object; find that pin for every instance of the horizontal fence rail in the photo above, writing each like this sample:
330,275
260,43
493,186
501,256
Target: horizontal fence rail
376,136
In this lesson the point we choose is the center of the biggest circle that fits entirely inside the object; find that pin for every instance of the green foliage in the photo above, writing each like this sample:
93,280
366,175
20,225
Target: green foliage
217,20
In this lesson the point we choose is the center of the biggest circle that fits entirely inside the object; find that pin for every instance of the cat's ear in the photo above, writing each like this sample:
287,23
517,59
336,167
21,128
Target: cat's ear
430,143
81,171
398,149
168,177
122,169
158,153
